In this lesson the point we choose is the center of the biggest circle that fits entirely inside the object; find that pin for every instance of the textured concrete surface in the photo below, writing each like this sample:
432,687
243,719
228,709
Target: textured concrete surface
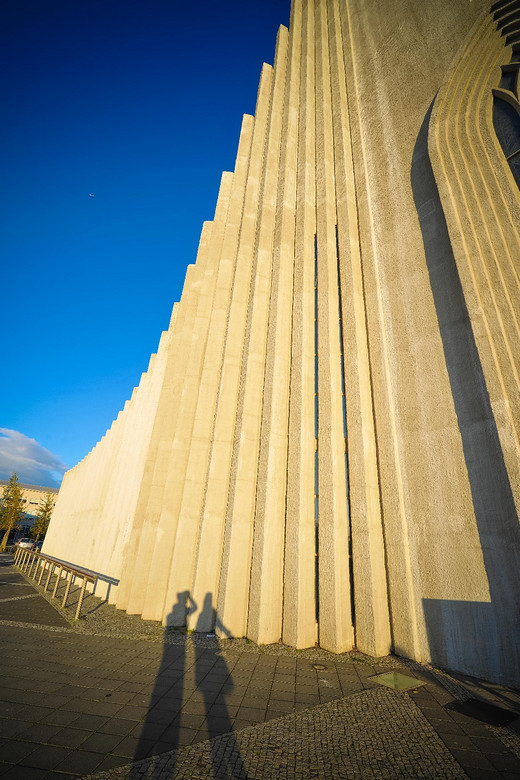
327,444
77,700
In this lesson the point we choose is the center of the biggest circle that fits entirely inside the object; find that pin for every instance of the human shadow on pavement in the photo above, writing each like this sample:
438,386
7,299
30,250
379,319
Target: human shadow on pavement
161,728
188,702
214,681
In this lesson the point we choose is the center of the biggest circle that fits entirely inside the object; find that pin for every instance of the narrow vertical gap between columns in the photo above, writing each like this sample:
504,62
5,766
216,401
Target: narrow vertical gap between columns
345,434
316,456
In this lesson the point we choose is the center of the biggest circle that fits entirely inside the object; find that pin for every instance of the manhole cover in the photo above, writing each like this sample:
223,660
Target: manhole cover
397,681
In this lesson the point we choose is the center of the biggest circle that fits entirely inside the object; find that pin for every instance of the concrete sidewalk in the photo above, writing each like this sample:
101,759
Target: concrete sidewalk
78,702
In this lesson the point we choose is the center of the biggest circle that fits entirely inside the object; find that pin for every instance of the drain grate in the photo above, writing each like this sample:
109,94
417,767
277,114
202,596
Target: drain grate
397,681
481,710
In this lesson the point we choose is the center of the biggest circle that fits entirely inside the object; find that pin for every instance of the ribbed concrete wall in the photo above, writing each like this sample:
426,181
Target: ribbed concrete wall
325,447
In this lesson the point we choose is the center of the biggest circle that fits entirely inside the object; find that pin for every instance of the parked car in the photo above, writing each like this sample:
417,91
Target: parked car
37,546
25,541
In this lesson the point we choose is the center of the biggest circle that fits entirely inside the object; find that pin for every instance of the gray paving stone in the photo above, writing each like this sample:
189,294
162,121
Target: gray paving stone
101,743
45,756
149,730
471,758
71,738
26,773
445,726
168,704
223,710
489,744
86,722
38,732
251,714
79,762
347,738
10,727
34,713
305,698
9,708
458,741
117,726
131,687
13,751
17,696
483,774
129,746
192,721
111,710
505,762
110,762
124,693
277,708
162,716
278,695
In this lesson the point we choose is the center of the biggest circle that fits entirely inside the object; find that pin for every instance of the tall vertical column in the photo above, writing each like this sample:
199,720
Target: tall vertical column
176,447
151,534
372,624
191,507
134,448
299,616
266,591
209,551
236,564
142,533
335,619
369,565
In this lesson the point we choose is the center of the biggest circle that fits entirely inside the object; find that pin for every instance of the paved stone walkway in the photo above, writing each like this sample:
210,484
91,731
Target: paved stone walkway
370,735
76,704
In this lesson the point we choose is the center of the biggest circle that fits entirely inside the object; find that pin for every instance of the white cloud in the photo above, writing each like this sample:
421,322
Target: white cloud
33,464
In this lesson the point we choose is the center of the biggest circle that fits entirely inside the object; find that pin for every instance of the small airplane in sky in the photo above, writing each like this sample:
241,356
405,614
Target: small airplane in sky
91,194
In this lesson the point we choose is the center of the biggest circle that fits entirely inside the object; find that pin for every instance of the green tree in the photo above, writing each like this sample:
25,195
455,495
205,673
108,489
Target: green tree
11,508
43,516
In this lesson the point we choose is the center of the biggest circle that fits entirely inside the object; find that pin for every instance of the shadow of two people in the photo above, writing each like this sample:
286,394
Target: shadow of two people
192,672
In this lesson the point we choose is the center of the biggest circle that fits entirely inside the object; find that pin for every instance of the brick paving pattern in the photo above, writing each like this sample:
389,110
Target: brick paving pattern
81,700
370,735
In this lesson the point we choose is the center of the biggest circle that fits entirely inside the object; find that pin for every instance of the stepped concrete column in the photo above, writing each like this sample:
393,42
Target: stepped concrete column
233,602
209,551
299,603
266,586
190,510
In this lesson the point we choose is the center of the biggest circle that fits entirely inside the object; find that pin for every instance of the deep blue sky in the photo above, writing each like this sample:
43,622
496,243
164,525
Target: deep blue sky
140,103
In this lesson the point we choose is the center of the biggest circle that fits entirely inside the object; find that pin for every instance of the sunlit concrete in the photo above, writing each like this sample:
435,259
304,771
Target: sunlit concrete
325,448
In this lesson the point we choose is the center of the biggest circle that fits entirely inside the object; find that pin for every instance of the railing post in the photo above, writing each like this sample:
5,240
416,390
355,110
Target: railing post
51,568
67,589
34,560
34,565
82,593
58,580
42,572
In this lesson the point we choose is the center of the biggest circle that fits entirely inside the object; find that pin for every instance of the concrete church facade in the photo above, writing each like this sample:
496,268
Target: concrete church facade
325,448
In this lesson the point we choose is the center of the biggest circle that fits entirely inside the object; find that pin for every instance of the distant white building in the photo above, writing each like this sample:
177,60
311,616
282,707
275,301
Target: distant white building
32,496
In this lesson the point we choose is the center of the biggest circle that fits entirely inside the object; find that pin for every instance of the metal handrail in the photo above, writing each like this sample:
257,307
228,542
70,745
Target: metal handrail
29,560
